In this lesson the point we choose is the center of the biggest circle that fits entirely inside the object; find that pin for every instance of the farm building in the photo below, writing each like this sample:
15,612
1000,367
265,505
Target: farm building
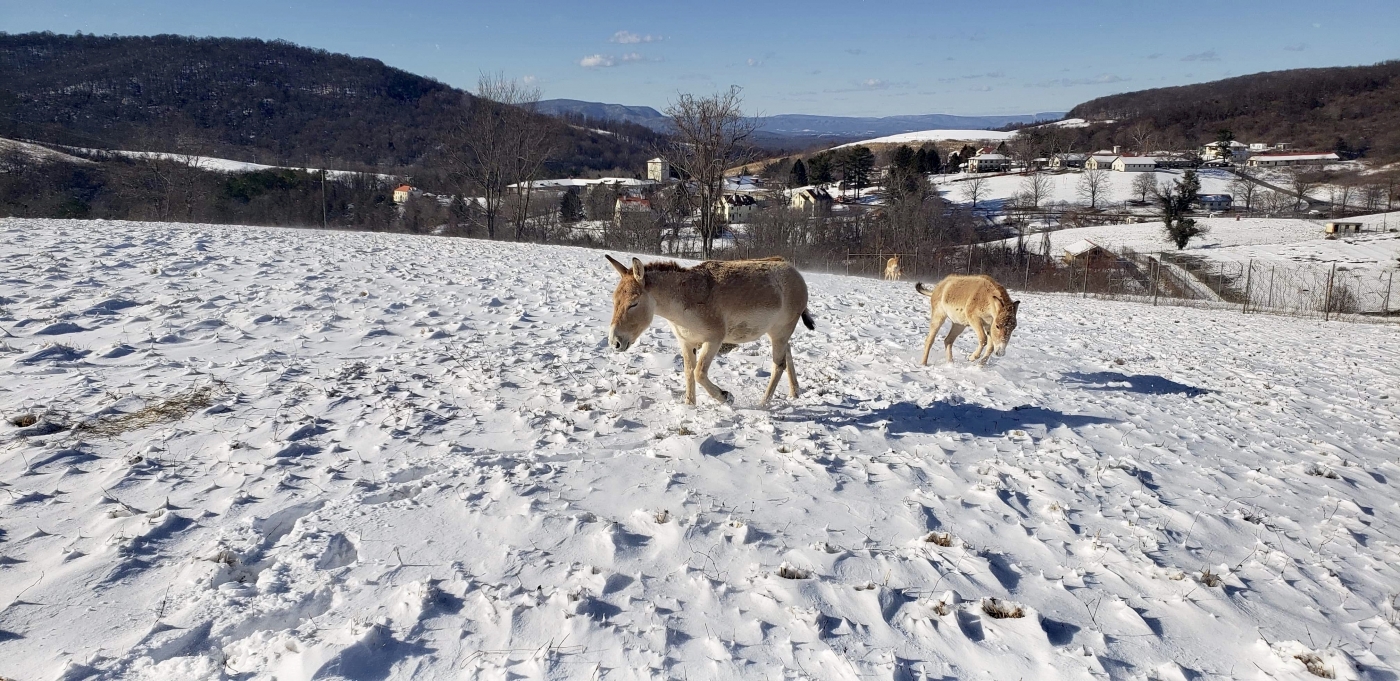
1068,160
1214,202
1273,160
811,199
988,163
1342,227
1087,254
1134,164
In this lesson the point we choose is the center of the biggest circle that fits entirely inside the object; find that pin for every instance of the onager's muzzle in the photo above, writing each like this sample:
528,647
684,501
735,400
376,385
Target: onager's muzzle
618,341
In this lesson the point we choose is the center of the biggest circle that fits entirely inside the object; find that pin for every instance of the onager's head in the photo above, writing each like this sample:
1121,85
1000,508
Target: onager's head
1003,325
633,307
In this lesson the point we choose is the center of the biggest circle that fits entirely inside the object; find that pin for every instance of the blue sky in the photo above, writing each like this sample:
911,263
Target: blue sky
848,58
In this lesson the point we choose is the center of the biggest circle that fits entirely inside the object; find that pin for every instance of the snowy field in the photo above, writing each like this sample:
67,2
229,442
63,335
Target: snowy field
293,454
922,136
1278,240
1064,187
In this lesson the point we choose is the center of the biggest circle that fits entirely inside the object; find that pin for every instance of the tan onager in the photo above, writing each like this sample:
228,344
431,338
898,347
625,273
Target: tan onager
712,307
976,301
892,270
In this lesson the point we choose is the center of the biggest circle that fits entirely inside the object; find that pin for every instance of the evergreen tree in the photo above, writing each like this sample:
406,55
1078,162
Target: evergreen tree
799,174
1176,201
857,166
571,206
904,158
819,168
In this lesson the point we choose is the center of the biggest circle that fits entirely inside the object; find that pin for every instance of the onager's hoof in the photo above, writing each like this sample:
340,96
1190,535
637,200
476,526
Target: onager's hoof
726,397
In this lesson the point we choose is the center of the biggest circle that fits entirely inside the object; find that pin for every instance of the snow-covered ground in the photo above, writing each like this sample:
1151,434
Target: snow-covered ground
1064,187
273,453
1290,240
37,152
223,165
937,136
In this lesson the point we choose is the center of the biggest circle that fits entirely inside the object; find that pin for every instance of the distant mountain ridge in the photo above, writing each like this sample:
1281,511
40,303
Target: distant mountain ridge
1350,109
802,125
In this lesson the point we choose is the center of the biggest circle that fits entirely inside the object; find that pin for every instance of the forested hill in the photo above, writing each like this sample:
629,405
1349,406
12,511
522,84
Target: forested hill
1353,108
254,100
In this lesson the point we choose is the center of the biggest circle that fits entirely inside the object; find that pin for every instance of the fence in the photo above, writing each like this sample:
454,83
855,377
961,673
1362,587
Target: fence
1321,290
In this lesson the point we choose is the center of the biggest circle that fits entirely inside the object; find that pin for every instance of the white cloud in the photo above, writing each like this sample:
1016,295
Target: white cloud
755,62
630,38
1208,55
1103,79
597,61
529,80
632,56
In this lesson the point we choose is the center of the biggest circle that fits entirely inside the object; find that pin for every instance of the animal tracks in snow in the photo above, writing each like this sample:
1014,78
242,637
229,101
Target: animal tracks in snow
427,462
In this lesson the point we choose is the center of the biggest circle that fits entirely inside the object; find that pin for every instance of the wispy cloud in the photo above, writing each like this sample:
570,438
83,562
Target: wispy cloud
855,51
603,61
1155,55
1102,79
1208,55
975,76
630,38
1296,47
869,85
755,63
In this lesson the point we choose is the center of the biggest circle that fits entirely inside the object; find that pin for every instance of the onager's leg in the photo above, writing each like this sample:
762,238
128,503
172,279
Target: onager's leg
953,332
780,364
702,372
984,344
938,318
792,373
688,357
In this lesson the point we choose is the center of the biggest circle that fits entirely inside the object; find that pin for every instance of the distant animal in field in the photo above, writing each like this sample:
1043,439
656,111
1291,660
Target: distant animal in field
893,272
975,301
712,306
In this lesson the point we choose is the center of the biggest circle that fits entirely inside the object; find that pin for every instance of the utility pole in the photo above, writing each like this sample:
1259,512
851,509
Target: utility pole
323,198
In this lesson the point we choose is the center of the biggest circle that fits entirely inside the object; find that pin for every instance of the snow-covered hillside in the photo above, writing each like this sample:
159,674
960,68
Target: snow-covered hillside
262,453
1283,240
1064,187
937,136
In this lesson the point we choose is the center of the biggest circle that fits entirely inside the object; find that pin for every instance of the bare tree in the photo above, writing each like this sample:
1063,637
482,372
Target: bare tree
498,141
1094,186
1302,181
1244,188
1143,185
710,135
1141,134
974,188
1035,188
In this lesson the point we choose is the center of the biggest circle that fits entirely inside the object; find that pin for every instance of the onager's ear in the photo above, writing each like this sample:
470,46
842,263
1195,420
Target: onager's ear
639,271
621,268
1015,305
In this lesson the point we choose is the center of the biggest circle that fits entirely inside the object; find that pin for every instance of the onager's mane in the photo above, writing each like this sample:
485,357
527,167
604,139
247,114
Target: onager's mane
666,266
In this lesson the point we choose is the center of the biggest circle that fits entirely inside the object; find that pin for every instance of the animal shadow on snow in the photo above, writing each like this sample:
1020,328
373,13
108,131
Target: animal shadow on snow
1142,383
973,419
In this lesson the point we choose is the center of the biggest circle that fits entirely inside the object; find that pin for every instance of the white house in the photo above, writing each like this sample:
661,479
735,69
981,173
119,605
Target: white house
1272,160
811,199
1099,162
1068,160
1238,151
1214,203
403,191
988,163
1134,164
659,170
737,207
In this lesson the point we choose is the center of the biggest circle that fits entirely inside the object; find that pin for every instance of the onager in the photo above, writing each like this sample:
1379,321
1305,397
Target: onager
712,307
976,301
892,269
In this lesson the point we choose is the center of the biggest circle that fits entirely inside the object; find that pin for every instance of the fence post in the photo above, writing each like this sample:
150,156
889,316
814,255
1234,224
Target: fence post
1085,292
1327,305
1156,278
1273,269
969,259
1026,280
1385,307
1248,279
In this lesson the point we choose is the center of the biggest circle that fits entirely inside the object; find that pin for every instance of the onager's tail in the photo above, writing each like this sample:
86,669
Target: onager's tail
807,321
920,288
